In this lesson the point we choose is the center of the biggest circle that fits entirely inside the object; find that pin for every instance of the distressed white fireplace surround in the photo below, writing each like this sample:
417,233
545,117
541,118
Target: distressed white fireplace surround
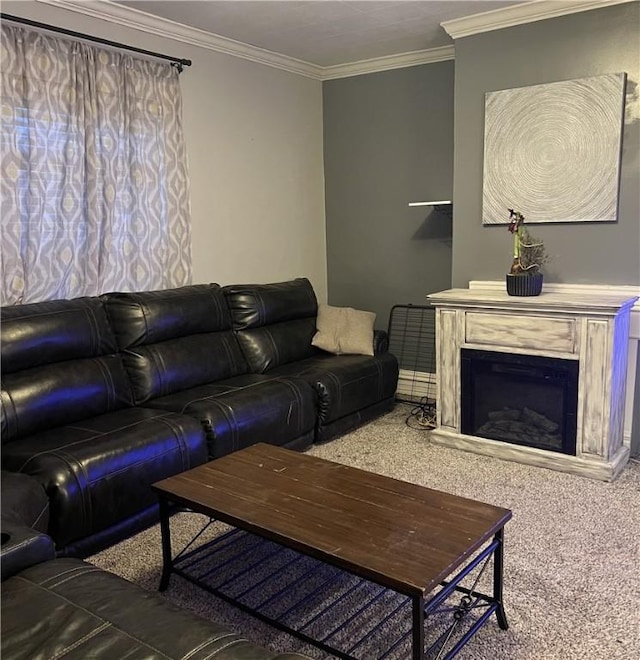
587,324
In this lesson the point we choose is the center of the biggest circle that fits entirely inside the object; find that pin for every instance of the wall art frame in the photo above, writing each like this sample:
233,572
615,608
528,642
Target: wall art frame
553,151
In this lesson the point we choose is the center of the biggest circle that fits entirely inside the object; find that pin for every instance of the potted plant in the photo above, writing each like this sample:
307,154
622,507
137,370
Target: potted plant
529,254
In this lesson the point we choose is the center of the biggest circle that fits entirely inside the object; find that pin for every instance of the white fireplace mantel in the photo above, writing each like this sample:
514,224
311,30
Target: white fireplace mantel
591,327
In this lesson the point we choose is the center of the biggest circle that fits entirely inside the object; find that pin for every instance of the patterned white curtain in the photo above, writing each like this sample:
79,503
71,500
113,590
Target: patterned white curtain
94,185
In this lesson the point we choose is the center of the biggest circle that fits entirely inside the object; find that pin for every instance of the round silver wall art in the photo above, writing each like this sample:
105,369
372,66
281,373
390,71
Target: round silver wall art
552,151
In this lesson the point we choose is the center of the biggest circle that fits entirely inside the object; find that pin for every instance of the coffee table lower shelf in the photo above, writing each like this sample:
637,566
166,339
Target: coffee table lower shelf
336,611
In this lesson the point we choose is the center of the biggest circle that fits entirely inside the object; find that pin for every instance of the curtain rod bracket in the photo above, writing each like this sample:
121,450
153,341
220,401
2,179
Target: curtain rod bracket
180,64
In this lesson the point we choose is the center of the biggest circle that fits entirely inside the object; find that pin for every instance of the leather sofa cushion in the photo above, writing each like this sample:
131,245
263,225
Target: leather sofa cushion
57,394
345,384
255,305
59,365
54,331
274,322
99,471
150,317
247,409
175,339
69,608
278,344
172,366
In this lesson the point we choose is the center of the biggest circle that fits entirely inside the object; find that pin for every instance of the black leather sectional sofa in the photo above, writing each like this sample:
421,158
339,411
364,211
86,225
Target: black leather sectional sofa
103,396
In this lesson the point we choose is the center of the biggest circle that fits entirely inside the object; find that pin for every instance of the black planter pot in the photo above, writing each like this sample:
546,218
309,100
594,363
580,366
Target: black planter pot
524,285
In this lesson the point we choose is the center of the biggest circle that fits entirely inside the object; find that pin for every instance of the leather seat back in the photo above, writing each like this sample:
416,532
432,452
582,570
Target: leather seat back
274,322
59,365
174,339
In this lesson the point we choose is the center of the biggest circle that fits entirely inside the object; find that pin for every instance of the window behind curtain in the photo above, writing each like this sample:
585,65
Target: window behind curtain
94,187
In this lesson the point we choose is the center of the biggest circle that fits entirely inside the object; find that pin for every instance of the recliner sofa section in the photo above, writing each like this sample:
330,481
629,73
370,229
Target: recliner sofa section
275,324
101,397
68,420
66,607
181,355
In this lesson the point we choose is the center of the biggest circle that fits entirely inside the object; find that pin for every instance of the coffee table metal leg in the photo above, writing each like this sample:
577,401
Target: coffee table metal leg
165,531
418,628
498,571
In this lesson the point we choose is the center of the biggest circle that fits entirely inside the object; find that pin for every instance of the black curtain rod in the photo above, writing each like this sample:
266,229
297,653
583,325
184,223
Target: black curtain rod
175,61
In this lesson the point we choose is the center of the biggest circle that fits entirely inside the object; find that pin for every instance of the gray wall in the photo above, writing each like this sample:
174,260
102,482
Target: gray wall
388,140
583,44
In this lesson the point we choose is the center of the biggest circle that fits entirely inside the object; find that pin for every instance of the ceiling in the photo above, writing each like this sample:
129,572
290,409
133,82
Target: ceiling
323,32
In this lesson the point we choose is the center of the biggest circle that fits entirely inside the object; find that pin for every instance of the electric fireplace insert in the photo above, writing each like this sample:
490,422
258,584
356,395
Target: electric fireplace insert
521,399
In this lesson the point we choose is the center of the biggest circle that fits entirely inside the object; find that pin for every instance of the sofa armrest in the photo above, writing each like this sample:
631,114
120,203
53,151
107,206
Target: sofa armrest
380,342
23,500
23,547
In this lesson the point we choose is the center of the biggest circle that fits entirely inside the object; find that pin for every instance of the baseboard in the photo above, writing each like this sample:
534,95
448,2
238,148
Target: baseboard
415,385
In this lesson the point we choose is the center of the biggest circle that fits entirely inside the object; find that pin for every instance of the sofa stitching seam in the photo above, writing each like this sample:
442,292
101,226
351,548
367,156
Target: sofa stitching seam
162,415
206,643
15,414
222,648
108,381
81,641
227,411
22,544
45,507
93,614
75,569
179,435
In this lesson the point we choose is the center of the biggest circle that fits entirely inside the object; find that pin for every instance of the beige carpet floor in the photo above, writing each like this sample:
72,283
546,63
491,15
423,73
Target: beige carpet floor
572,549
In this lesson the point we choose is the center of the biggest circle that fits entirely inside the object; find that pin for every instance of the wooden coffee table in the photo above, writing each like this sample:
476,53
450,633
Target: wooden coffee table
404,537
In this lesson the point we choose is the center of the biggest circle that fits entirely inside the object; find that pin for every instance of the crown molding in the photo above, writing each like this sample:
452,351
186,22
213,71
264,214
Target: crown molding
400,61
139,20
461,27
527,12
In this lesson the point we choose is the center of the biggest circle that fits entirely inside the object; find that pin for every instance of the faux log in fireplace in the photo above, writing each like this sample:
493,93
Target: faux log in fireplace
523,399
573,348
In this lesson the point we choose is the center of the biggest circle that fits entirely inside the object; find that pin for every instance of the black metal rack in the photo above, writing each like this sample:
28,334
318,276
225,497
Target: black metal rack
412,340
340,613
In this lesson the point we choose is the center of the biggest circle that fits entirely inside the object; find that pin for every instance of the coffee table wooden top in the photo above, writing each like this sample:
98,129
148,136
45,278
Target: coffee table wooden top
403,536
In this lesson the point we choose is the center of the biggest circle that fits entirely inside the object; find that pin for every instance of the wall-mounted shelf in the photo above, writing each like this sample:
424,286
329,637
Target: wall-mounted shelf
439,203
